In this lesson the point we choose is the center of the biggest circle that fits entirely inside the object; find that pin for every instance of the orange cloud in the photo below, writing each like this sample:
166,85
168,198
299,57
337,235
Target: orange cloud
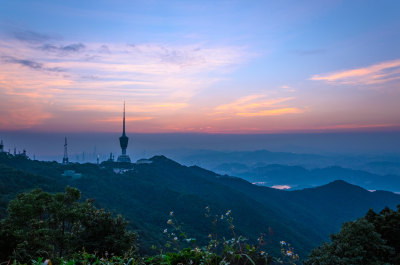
128,119
96,106
374,74
250,102
256,106
271,112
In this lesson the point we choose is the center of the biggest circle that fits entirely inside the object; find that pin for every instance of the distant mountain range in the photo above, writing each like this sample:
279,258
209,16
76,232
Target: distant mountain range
297,177
146,194
379,172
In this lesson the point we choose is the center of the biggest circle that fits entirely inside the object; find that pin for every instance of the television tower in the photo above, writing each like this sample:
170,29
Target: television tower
1,147
123,142
65,158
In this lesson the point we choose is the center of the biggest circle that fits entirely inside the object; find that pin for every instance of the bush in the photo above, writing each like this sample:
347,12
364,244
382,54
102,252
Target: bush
52,226
373,239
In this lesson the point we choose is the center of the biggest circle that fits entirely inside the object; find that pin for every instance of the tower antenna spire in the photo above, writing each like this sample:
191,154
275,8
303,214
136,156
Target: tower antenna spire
123,126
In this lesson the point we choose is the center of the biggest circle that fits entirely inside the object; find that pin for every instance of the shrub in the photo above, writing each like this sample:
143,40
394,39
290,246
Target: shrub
52,226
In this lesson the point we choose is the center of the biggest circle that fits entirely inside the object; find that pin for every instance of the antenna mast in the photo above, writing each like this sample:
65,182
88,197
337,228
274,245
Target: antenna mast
123,126
65,158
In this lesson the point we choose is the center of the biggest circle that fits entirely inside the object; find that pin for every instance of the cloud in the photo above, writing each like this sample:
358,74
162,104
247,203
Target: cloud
160,108
28,63
375,74
157,79
104,49
270,112
31,64
75,47
192,58
257,106
128,119
30,36
288,88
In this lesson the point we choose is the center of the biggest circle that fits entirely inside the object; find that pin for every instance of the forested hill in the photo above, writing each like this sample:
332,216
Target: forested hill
150,191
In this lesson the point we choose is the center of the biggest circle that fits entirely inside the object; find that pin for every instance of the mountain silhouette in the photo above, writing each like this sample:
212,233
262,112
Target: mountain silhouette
146,194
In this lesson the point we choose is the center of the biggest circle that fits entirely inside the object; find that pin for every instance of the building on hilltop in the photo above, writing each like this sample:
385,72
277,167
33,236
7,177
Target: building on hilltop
144,161
72,174
1,147
24,153
19,154
123,141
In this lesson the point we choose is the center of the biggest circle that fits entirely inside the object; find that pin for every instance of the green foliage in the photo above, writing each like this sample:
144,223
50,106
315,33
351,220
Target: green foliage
220,250
374,239
387,224
13,181
84,258
53,226
185,256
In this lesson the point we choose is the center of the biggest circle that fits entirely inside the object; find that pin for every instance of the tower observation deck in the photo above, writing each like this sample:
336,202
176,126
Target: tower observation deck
123,142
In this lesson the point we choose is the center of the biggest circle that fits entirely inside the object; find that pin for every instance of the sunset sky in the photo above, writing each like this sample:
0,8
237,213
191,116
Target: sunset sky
200,66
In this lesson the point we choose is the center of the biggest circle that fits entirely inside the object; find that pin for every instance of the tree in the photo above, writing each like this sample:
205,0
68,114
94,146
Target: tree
387,223
356,243
40,224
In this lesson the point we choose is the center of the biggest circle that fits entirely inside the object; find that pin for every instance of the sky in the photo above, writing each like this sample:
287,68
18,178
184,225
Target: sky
200,66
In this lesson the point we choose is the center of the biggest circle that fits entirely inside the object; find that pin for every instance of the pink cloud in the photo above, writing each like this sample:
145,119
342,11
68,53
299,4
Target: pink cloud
257,106
128,119
156,79
270,112
378,73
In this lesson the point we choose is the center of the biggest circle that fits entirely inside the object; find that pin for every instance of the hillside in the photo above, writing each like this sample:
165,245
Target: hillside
146,194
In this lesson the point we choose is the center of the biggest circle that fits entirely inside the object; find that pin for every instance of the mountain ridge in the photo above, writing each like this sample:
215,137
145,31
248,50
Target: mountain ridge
150,191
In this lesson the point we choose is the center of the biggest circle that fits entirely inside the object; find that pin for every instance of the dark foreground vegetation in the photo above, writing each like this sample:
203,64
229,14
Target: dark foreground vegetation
57,227
77,230
373,239
40,224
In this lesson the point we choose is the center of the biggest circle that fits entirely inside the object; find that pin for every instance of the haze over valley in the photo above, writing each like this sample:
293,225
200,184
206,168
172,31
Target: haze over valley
292,161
